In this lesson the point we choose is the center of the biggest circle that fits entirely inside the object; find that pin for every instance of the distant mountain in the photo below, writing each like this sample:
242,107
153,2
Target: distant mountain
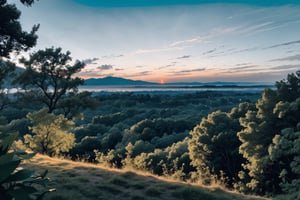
109,80
118,81
222,84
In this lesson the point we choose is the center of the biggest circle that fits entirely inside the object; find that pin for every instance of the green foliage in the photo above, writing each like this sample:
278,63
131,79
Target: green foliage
289,89
49,73
111,159
51,133
85,148
72,103
15,182
268,140
13,38
214,147
285,151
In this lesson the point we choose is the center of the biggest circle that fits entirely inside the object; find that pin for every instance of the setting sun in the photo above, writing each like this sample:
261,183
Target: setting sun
162,81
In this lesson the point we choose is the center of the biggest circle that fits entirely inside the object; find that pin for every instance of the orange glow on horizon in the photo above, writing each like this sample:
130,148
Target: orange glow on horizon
162,81
163,78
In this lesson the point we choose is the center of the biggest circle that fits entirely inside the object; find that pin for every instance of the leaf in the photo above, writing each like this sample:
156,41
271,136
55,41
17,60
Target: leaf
20,175
23,193
7,169
6,158
7,142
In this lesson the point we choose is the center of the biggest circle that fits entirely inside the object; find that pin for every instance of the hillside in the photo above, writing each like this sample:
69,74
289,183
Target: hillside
77,180
109,80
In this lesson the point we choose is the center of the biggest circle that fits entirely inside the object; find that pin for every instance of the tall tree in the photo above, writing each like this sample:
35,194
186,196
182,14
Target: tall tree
214,146
273,124
49,73
12,39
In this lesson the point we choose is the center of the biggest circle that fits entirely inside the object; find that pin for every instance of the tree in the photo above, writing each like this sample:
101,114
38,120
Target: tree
50,133
289,89
72,103
50,74
12,37
267,130
214,147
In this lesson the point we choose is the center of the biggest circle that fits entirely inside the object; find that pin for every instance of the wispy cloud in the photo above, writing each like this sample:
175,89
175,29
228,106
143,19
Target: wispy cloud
112,56
283,44
184,57
289,58
172,64
140,66
143,73
253,49
89,61
209,51
286,67
158,50
188,42
257,27
188,71
242,68
174,46
119,69
105,67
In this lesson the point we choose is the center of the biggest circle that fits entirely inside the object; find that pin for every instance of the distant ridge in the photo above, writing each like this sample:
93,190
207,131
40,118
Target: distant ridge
110,80
118,81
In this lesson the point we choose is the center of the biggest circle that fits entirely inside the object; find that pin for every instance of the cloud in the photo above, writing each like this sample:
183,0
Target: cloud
119,69
283,44
184,57
258,27
113,56
143,73
87,73
105,67
191,70
286,67
289,58
140,66
158,50
253,49
242,64
172,64
244,67
209,51
90,61
188,42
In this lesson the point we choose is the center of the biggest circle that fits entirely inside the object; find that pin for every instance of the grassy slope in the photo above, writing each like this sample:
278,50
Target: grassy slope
76,180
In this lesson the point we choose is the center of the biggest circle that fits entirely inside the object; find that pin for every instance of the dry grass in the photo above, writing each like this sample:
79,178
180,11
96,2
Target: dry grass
77,180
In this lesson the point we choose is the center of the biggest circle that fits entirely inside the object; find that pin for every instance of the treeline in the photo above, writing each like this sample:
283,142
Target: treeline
246,141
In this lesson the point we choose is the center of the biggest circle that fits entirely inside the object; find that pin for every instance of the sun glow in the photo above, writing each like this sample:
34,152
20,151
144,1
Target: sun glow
162,81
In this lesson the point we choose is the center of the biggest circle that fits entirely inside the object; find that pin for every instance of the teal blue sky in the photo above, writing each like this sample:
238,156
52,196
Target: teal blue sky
164,40
139,3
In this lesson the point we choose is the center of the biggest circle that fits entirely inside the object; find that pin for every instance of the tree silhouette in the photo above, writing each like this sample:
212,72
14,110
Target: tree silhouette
49,73
12,37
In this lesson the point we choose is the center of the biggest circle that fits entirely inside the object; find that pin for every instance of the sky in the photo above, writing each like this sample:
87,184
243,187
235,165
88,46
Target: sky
172,40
